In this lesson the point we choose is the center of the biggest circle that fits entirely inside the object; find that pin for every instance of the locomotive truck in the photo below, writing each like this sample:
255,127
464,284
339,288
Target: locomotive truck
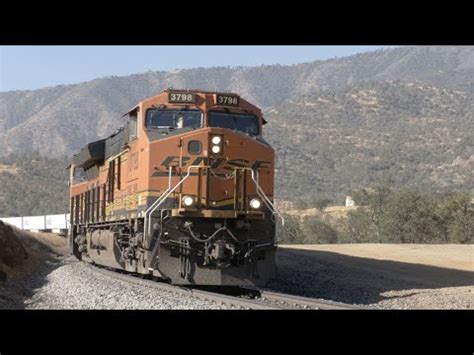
183,192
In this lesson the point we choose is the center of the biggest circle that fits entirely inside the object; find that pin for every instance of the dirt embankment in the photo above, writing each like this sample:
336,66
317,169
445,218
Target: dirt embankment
21,252
12,252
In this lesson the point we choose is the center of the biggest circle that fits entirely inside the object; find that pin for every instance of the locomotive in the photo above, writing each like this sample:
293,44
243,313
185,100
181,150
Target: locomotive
183,192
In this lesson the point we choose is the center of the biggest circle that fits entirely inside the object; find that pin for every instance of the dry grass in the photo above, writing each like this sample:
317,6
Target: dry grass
450,256
23,252
8,169
331,211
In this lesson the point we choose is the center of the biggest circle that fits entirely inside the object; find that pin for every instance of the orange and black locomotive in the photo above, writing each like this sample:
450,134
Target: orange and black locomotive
183,192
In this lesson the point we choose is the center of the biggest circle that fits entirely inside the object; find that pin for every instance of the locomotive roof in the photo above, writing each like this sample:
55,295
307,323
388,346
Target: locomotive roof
108,146
194,91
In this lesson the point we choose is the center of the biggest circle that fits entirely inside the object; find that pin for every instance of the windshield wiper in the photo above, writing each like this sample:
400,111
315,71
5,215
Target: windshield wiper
165,129
160,111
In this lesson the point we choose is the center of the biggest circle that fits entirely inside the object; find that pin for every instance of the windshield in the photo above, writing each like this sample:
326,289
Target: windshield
176,119
247,124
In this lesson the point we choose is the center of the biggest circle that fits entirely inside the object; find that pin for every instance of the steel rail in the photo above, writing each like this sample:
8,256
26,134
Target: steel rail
231,301
298,302
267,300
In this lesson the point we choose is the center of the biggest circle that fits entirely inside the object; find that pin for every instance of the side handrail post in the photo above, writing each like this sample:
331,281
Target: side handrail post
170,190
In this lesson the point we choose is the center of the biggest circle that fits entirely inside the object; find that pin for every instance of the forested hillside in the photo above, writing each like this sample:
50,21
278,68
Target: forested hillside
402,117
59,120
32,185
410,135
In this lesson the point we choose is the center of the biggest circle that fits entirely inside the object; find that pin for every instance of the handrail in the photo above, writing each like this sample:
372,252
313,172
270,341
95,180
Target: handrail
170,190
264,197
152,208
163,197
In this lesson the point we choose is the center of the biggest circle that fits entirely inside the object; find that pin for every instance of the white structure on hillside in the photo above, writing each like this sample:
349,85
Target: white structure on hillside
349,202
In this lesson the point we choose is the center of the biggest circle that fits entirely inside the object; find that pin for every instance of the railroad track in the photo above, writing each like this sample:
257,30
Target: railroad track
298,302
263,300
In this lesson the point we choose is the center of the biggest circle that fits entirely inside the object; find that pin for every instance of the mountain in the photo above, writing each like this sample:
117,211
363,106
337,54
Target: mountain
32,185
407,134
402,116
60,120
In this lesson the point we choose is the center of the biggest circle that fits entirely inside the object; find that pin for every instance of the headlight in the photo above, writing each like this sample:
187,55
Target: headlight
255,203
216,149
216,140
188,201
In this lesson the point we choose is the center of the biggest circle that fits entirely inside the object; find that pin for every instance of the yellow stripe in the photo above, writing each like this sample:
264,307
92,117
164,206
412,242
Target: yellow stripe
131,202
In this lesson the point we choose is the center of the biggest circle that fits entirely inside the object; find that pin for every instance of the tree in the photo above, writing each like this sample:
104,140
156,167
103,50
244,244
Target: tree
301,203
409,217
317,231
321,203
291,232
360,227
461,228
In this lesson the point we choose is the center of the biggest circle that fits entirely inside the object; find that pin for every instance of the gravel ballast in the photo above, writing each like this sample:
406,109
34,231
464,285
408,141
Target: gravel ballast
378,276
375,276
73,285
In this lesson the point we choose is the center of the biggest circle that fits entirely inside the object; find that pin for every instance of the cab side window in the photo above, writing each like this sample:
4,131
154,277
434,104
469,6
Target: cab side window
133,126
79,175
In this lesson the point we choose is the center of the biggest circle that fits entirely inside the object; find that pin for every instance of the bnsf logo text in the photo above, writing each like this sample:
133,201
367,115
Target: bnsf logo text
214,163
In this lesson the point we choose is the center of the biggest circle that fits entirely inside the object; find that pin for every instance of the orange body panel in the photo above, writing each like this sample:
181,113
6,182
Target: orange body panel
142,166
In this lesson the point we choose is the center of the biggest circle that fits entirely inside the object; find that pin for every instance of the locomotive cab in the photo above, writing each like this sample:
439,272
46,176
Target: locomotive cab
184,192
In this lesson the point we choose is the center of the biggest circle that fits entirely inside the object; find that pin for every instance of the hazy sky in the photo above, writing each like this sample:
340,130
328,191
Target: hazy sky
32,67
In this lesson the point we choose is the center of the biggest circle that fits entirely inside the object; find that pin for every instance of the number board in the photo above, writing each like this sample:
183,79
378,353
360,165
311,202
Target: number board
227,100
181,97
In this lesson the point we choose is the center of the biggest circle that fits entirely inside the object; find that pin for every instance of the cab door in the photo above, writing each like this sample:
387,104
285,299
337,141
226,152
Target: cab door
134,161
